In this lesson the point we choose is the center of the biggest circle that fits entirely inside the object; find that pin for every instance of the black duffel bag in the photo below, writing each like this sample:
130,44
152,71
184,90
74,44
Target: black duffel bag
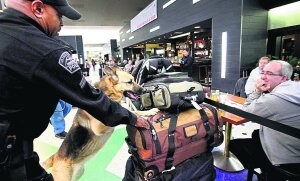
199,168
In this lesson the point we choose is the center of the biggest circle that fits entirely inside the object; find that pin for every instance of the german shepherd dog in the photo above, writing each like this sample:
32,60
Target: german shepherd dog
88,135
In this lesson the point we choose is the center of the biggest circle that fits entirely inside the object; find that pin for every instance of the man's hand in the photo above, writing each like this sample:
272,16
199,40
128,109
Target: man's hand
142,123
262,86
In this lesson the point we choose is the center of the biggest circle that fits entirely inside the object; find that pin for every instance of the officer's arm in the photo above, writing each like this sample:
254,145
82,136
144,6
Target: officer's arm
61,73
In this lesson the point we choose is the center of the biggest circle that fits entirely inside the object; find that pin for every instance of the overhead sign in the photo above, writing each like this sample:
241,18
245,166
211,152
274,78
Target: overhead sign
144,17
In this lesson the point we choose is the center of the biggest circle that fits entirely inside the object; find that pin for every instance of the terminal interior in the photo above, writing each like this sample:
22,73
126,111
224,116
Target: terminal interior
253,28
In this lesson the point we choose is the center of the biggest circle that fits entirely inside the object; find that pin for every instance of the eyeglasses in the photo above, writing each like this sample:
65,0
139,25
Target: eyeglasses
268,73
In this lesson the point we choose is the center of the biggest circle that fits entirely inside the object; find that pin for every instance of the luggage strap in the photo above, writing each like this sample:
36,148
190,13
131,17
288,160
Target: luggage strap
217,122
209,133
131,149
295,132
205,120
171,141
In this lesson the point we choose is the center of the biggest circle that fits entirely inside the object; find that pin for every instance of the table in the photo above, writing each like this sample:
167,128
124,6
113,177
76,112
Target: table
225,160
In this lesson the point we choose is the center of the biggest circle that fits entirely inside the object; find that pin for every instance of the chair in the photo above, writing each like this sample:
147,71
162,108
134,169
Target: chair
239,88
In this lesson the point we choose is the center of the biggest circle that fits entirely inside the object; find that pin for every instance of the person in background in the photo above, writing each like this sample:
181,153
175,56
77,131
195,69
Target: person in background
93,64
270,148
123,63
111,63
58,118
87,67
37,69
81,63
128,67
137,61
255,75
187,63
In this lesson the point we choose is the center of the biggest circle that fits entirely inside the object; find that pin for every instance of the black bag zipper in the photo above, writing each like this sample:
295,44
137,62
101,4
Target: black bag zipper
155,138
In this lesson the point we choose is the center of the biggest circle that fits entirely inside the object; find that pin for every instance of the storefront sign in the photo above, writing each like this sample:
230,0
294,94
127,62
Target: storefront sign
144,17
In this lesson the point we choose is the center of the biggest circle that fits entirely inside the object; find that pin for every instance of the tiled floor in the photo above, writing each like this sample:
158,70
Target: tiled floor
109,164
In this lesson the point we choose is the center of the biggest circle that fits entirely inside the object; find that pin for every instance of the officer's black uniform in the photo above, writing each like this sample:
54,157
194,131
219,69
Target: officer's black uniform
35,72
187,65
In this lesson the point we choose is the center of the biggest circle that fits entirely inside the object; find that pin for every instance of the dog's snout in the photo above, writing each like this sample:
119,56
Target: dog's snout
139,90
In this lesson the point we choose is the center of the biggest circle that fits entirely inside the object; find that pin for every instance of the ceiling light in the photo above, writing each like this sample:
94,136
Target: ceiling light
121,32
177,36
123,39
128,31
224,55
195,1
154,29
168,3
131,37
284,16
197,27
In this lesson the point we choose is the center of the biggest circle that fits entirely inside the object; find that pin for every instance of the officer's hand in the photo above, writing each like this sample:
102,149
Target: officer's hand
142,123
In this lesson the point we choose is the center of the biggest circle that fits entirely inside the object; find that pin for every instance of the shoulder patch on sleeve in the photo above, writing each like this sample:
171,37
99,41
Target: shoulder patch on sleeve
68,63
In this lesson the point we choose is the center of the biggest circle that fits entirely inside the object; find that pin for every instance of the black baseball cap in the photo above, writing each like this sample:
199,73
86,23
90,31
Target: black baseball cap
64,8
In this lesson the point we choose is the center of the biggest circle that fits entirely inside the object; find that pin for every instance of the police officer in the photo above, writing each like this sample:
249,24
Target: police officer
36,68
187,63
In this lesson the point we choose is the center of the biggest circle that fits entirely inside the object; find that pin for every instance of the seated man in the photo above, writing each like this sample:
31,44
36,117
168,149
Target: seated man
255,74
269,148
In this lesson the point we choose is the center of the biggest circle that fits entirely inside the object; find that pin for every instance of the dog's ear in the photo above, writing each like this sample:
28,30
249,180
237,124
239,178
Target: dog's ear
111,72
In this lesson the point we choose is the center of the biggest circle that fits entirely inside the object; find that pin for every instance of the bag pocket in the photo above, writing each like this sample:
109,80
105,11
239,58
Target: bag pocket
159,98
146,100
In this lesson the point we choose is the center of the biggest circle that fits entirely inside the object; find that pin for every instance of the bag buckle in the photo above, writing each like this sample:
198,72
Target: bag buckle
5,153
10,141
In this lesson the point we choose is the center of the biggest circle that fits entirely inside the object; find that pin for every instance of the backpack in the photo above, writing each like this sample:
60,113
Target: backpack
170,96
173,138
153,66
169,77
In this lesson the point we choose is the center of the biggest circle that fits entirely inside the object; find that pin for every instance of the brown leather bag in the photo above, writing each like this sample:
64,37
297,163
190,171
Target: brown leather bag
173,139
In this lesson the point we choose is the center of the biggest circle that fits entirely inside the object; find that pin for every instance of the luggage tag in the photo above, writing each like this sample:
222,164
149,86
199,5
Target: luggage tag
196,105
